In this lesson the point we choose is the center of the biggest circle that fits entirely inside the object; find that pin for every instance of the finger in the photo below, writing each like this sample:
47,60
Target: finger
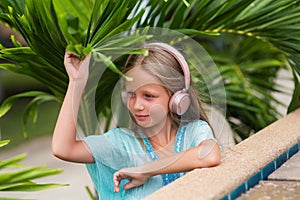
116,188
87,59
117,179
67,55
71,54
89,56
129,185
68,58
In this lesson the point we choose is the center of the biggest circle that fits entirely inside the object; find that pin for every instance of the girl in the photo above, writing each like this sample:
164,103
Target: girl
168,137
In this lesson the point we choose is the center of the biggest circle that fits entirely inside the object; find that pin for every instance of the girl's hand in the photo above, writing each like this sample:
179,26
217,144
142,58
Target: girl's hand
77,69
136,178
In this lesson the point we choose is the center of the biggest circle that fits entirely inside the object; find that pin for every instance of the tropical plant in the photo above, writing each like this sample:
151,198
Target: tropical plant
249,72
22,180
249,41
255,39
78,27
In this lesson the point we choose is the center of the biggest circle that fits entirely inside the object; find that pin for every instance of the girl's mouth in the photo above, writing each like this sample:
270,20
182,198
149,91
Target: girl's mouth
141,117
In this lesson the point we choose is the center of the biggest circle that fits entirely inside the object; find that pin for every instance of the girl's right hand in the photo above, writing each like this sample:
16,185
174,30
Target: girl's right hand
78,70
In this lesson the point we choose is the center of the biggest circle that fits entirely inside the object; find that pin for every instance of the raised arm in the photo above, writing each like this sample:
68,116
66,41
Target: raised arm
206,154
64,143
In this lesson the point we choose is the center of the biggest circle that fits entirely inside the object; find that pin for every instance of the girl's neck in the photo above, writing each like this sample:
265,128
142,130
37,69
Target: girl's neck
163,136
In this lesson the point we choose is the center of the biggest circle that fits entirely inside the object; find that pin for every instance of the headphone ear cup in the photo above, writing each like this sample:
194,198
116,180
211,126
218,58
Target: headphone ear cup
179,102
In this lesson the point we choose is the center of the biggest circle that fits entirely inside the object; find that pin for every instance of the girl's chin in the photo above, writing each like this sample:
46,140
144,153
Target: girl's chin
149,125
143,124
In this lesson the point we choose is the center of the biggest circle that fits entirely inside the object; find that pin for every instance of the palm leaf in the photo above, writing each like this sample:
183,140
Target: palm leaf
273,25
22,180
29,186
4,142
267,21
12,162
295,103
249,77
58,24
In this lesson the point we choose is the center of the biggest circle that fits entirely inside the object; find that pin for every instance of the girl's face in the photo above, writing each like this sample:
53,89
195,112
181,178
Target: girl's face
147,99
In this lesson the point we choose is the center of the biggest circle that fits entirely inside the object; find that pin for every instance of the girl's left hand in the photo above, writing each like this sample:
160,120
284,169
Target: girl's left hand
77,69
136,178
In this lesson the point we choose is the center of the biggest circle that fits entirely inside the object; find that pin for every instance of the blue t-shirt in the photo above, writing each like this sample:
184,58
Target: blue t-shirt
121,148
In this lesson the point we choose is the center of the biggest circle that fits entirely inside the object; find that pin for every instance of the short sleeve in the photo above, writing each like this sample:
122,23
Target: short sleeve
116,149
197,132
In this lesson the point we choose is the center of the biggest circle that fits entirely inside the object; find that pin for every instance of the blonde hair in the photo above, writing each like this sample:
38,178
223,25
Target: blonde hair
164,66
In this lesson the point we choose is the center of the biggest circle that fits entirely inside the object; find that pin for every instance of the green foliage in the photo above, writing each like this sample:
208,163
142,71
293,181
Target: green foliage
295,103
249,75
59,25
21,180
30,112
249,41
3,142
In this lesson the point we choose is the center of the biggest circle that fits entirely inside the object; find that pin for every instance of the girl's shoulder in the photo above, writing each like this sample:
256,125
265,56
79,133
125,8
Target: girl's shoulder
121,136
197,124
119,132
196,132
114,134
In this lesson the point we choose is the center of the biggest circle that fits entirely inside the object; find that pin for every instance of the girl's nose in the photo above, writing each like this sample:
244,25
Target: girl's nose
138,103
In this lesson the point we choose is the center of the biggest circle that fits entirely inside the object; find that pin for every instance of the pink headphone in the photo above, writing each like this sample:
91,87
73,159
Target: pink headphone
180,100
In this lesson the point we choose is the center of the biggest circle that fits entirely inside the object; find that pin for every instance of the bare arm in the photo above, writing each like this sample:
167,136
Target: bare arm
64,143
206,154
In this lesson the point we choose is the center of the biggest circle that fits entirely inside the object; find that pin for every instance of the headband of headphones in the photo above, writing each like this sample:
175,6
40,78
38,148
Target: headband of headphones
177,55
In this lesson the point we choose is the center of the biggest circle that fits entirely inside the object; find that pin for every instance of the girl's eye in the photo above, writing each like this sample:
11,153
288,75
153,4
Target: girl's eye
149,96
130,94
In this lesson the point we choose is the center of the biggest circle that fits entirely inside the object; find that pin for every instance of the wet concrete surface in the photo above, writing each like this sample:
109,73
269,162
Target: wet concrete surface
290,170
283,183
273,190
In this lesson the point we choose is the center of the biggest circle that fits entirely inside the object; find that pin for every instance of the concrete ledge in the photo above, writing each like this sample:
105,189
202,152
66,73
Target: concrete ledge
239,163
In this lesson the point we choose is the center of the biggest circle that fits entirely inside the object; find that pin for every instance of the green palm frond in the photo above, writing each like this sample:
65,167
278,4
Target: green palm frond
273,22
57,25
260,37
249,75
21,180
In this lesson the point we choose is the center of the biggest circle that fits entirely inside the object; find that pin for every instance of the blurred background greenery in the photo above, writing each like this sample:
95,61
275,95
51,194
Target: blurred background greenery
11,84
250,41
15,176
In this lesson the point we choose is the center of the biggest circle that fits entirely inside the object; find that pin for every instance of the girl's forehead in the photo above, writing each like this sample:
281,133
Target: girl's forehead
138,78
